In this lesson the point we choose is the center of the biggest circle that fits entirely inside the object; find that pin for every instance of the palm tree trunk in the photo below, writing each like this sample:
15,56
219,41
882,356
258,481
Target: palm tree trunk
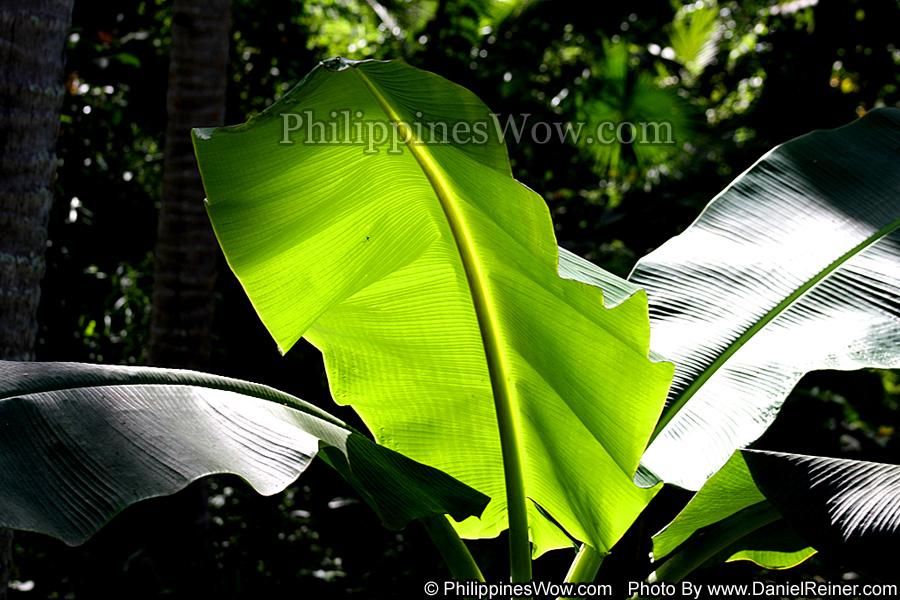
32,61
187,253
186,250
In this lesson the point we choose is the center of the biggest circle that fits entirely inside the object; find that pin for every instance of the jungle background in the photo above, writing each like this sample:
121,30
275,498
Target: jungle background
734,78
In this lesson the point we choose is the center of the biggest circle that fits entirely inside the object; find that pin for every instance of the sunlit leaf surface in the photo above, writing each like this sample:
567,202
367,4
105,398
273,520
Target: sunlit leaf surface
428,277
794,267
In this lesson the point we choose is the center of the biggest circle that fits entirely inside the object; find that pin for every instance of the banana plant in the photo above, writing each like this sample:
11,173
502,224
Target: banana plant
790,269
507,383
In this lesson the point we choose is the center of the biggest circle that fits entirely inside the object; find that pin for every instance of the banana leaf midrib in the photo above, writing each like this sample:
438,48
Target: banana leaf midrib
779,309
488,325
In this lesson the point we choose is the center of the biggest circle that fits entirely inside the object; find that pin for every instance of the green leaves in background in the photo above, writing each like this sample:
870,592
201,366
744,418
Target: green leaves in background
650,122
81,442
428,277
794,267
695,35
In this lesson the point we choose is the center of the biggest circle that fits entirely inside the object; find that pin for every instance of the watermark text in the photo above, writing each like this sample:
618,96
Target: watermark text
347,127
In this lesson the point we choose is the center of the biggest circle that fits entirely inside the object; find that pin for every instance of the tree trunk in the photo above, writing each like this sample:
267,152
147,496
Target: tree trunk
186,256
33,37
186,249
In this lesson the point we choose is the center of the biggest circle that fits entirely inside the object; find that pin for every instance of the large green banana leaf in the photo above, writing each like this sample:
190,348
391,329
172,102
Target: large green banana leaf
428,277
794,267
777,507
81,442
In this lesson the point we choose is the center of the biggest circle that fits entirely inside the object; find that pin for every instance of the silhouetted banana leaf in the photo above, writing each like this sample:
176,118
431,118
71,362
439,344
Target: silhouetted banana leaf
848,508
428,277
794,267
728,519
81,442
773,505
